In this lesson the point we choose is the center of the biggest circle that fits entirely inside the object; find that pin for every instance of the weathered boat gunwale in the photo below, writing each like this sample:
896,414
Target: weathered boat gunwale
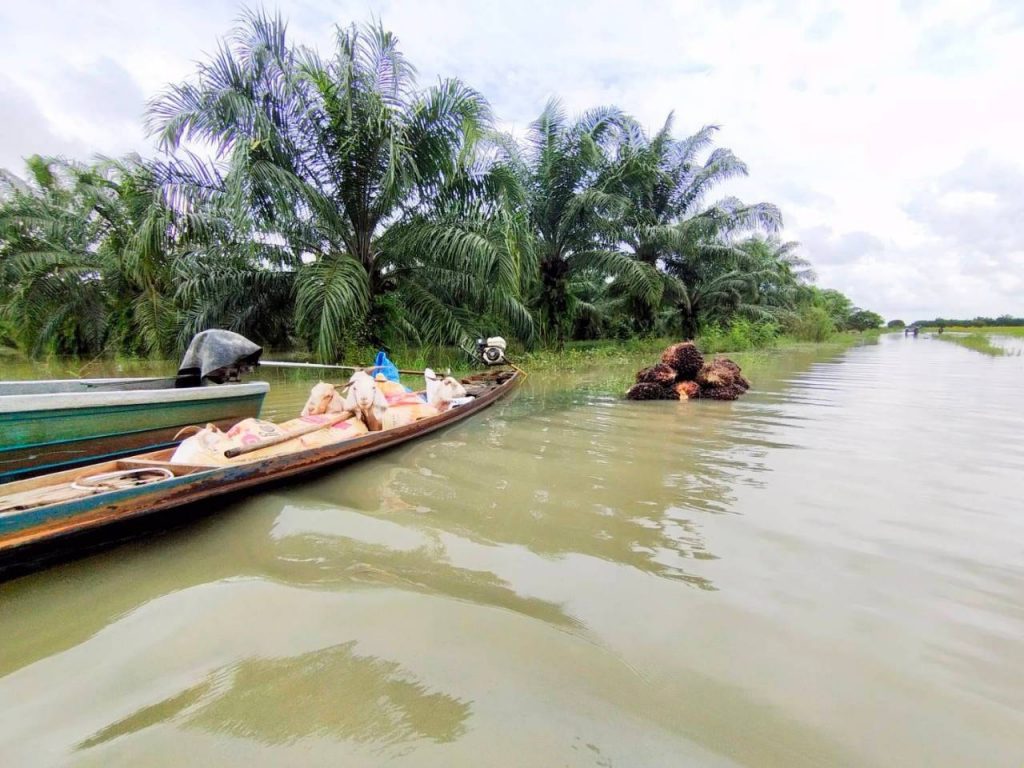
95,511
113,397
44,386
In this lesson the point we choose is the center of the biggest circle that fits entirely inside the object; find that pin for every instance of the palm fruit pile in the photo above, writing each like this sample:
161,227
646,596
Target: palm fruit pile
684,374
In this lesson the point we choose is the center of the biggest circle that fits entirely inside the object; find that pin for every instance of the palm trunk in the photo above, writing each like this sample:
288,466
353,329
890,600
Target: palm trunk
554,295
689,322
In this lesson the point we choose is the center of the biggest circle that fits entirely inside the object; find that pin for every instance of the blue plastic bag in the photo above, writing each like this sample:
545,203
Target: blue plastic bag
385,366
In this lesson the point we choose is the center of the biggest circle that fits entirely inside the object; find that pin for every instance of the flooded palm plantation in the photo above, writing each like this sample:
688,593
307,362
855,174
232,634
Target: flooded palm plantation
827,572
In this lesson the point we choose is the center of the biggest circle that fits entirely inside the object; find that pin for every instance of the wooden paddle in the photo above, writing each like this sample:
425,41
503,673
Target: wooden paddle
266,442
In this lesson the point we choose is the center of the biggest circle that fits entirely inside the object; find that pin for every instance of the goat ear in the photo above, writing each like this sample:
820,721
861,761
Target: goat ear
308,407
349,401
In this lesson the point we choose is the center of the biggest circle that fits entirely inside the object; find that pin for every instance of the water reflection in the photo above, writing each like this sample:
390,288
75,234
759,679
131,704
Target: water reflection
329,693
561,472
324,544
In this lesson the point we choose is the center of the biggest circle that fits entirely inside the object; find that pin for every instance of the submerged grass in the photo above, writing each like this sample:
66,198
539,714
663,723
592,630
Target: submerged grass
1001,330
979,342
644,352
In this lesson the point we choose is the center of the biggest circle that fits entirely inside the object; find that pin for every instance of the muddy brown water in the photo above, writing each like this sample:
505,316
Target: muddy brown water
828,572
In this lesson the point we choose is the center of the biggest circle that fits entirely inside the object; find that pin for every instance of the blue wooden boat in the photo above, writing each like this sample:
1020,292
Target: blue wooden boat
43,510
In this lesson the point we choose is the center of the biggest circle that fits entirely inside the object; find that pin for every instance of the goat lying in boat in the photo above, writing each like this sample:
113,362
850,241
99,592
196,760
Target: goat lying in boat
441,393
323,399
382,404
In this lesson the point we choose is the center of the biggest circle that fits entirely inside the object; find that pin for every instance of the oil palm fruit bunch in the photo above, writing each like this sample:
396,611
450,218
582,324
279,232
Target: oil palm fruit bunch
737,373
714,374
721,379
722,392
685,359
661,374
647,391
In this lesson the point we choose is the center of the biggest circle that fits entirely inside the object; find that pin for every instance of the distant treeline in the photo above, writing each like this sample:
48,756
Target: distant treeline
345,205
977,322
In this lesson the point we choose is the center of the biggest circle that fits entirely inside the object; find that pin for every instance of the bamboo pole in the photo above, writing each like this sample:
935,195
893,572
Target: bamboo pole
367,368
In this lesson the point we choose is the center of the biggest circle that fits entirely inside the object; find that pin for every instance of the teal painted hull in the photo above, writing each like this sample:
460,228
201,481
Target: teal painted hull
46,439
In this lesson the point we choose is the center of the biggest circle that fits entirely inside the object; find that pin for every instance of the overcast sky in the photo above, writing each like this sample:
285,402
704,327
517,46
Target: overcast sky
891,134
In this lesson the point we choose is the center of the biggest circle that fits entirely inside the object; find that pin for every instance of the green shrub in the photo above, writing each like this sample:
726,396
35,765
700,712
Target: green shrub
812,324
741,335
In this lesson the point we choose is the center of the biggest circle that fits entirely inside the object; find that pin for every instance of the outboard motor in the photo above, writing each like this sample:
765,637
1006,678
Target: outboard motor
217,356
492,350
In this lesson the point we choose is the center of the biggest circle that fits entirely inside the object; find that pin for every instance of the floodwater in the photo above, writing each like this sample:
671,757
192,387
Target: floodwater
829,572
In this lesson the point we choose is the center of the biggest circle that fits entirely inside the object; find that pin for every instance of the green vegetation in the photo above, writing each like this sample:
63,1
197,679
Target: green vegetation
864,320
979,342
636,353
812,324
1001,330
1003,321
896,325
740,336
344,208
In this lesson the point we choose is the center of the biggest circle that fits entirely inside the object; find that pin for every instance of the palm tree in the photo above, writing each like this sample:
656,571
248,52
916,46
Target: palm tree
564,168
373,187
51,295
782,270
704,280
85,257
666,219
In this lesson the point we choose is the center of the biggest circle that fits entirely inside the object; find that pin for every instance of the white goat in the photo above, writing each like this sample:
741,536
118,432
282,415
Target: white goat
441,392
366,401
323,398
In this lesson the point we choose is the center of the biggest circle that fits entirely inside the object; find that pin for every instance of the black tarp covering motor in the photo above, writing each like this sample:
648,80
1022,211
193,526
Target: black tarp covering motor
217,356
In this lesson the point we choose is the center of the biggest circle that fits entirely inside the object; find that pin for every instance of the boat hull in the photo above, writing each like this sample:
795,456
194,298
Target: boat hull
42,433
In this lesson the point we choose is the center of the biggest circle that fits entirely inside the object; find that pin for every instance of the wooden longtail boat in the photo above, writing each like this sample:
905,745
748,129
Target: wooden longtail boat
45,509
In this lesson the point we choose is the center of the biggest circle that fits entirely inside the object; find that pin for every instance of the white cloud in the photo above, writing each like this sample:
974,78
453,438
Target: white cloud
27,130
863,121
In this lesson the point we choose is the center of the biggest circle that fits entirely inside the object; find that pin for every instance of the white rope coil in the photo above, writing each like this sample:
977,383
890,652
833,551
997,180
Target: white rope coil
110,479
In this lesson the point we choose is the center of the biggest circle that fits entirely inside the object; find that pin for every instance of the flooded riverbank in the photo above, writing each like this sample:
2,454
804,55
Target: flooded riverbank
826,572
